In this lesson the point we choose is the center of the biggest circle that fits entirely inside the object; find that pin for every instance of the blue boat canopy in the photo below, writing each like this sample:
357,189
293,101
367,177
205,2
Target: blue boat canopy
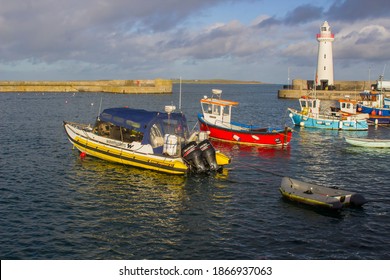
128,118
146,122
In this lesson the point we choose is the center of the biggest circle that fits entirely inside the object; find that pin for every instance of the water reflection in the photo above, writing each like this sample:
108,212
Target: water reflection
136,206
236,150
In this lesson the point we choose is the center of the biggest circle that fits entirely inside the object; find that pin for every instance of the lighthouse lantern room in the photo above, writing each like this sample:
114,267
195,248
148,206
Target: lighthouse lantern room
324,76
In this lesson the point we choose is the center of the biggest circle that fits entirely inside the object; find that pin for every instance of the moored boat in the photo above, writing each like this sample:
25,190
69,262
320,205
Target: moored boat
376,106
348,107
216,119
367,142
310,116
157,141
315,195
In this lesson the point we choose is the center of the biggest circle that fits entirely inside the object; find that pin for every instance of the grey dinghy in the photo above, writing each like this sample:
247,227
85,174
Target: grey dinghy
315,195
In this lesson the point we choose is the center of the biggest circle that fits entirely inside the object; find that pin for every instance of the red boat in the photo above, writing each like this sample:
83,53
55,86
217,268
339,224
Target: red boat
216,119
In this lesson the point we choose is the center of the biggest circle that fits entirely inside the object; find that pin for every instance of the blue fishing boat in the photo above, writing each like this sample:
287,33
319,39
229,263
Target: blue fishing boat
309,115
376,105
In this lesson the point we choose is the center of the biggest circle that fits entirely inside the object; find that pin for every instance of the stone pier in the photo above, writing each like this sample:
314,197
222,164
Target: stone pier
341,89
111,86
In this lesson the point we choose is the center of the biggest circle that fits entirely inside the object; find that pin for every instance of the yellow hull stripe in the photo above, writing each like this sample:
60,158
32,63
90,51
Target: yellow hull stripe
305,200
173,166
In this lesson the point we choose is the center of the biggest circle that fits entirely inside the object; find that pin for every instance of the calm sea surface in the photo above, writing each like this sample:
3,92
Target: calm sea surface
55,205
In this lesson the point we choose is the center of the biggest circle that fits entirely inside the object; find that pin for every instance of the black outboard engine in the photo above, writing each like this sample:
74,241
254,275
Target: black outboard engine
357,200
193,155
208,154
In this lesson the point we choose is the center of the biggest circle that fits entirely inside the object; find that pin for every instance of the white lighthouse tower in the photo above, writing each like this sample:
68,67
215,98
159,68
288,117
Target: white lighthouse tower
324,76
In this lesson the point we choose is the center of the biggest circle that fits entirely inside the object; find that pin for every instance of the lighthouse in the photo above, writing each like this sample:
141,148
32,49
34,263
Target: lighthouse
324,76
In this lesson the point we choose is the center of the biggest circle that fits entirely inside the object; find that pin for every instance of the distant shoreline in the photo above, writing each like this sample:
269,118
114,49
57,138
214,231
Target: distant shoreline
216,81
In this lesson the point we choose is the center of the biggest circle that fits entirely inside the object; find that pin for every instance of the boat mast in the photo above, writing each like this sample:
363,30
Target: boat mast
180,95
100,106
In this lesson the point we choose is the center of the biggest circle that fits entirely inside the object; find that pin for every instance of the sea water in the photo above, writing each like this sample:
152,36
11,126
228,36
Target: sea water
56,205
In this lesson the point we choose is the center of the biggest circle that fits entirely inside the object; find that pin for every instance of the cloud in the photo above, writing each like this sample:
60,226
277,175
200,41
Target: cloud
128,38
52,30
356,10
303,14
366,40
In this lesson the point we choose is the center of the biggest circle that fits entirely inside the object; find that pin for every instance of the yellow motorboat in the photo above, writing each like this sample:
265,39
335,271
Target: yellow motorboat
152,140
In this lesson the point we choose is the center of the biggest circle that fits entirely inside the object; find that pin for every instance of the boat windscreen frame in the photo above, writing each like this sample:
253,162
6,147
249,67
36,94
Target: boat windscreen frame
144,121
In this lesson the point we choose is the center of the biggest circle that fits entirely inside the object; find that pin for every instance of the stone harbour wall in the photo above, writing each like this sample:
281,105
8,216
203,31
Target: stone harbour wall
341,89
111,86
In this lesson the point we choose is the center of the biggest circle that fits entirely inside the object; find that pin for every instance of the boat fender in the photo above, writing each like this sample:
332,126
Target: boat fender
203,135
208,154
193,155
357,200
237,138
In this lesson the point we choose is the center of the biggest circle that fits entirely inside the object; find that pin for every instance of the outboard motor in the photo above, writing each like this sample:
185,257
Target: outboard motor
193,155
357,200
208,154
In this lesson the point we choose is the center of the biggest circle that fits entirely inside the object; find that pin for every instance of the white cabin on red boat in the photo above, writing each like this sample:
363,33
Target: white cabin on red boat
216,110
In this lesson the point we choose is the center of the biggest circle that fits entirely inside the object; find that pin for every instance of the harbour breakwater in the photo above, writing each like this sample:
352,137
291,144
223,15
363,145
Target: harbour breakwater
110,86
341,89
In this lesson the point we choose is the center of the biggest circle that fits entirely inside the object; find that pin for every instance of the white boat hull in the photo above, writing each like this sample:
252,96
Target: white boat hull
370,143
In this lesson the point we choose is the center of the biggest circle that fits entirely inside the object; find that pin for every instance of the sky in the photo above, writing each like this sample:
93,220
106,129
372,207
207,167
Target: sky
271,41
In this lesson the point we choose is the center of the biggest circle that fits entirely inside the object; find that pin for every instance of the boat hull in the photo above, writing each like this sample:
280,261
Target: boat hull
133,154
315,195
262,137
384,112
306,120
116,151
368,143
379,120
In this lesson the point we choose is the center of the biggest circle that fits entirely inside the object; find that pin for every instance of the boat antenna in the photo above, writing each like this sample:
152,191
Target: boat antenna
381,77
315,83
100,106
180,95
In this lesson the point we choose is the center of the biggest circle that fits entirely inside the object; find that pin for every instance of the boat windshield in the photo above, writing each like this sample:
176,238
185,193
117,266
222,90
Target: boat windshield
145,126
308,103
166,124
110,130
